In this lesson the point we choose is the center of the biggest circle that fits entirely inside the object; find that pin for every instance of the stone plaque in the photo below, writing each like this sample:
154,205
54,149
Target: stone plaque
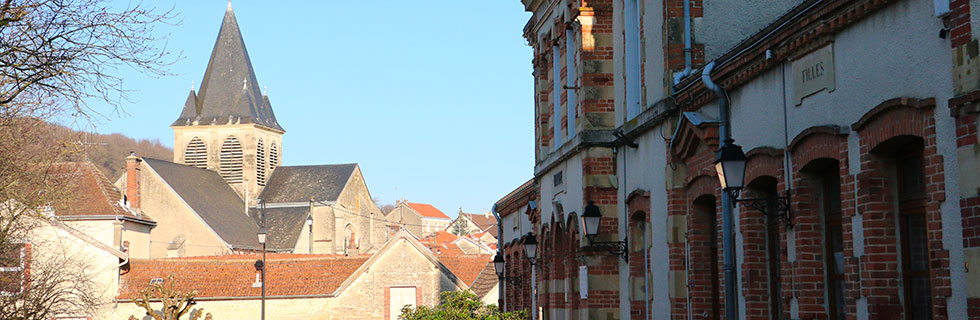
583,282
813,72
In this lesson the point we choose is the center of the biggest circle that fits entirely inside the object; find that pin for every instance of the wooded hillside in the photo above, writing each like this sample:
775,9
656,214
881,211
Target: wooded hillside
109,151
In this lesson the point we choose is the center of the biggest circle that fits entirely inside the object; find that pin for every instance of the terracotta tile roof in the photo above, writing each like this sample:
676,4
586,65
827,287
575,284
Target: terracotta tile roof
427,210
92,194
444,237
233,275
466,267
485,282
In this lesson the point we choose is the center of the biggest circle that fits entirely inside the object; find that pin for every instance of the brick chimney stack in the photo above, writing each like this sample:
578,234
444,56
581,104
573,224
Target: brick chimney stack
133,181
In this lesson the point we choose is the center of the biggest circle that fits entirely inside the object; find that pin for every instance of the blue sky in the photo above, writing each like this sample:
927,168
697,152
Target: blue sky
432,98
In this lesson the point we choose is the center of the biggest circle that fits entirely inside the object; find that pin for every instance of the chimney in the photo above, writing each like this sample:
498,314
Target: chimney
133,181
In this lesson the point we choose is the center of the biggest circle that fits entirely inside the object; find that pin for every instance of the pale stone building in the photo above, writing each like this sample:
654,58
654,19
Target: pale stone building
421,219
226,180
374,286
474,223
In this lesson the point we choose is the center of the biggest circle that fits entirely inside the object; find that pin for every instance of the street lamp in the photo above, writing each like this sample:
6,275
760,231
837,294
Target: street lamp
309,224
730,166
530,247
498,265
590,221
263,234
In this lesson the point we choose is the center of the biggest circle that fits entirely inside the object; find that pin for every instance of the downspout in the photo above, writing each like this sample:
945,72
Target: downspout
688,52
726,200
500,250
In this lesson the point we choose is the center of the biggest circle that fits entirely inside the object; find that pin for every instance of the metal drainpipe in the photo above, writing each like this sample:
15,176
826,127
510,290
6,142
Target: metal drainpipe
731,301
688,52
500,250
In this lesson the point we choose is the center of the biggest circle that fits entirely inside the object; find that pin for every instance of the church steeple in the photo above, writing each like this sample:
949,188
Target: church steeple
228,125
230,92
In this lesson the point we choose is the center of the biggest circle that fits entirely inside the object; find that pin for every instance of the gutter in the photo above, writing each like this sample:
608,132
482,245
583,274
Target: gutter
295,296
687,44
117,218
500,251
732,54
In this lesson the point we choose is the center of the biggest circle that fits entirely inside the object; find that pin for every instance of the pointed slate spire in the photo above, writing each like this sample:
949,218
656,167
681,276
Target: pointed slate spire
230,89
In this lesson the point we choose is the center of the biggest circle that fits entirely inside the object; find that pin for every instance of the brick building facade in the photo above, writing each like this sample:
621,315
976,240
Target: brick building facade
856,110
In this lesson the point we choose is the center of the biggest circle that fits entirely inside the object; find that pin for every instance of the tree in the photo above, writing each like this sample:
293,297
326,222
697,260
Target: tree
461,305
461,227
56,56
176,303
49,276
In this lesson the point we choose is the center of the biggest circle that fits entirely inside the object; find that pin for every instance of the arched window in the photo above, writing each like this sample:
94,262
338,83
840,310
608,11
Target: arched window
827,174
196,154
273,156
260,163
703,258
231,160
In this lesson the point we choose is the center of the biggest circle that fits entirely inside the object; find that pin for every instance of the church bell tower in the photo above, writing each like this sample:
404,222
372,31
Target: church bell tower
228,125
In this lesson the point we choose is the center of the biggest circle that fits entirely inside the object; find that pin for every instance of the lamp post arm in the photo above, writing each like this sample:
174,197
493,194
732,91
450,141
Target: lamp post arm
620,248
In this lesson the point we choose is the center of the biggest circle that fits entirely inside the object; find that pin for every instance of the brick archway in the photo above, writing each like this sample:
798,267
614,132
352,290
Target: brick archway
764,171
891,122
826,147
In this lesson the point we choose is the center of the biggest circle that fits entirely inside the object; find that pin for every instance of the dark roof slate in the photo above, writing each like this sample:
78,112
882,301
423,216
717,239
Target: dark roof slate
230,92
212,199
283,224
300,183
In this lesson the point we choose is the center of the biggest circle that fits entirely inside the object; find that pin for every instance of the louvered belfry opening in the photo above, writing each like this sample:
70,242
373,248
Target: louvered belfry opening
273,156
231,160
260,163
196,154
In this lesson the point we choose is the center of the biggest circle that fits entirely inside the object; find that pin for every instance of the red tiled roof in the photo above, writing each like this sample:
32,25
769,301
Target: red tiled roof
444,237
91,193
466,267
427,210
233,275
482,221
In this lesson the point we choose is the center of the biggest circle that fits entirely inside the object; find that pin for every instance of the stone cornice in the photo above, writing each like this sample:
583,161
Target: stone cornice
583,140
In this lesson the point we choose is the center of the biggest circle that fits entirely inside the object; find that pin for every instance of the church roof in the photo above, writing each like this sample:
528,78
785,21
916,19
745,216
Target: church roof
210,197
300,183
230,92
284,225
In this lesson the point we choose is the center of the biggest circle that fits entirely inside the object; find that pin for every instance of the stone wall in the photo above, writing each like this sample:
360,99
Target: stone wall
247,134
174,218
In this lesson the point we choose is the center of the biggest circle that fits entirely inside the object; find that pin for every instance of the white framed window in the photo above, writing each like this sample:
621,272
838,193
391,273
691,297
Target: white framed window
631,30
556,92
13,267
571,76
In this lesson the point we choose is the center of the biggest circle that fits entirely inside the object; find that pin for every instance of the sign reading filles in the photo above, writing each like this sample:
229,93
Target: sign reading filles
813,72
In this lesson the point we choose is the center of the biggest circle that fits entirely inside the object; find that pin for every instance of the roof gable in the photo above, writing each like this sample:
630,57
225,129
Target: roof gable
208,196
230,92
301,183
92,194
